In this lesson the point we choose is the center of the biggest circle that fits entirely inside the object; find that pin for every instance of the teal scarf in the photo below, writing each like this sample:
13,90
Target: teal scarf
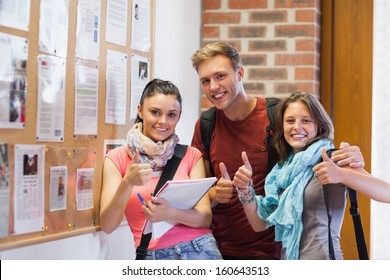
282,205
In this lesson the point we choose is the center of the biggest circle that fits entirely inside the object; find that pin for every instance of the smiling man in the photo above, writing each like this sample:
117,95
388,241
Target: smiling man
240,125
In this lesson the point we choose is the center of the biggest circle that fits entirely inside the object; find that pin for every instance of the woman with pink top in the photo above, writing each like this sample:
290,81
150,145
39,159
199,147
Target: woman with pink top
136,167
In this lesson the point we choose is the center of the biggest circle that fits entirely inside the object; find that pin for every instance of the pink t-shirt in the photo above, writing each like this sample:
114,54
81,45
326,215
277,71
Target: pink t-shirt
134,214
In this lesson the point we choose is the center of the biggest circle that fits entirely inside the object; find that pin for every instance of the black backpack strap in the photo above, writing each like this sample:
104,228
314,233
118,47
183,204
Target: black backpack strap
207,124
167,174
332,255
359,233
357,223
142,248
271,105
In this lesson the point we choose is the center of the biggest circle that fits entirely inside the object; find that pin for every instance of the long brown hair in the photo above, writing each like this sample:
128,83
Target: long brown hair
317,112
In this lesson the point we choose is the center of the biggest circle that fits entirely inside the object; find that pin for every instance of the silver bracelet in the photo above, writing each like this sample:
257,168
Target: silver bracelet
243,197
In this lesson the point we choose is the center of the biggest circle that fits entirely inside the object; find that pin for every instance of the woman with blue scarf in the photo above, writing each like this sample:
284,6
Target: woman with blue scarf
294,199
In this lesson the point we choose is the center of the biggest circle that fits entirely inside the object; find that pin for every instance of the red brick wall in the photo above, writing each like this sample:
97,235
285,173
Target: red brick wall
278,41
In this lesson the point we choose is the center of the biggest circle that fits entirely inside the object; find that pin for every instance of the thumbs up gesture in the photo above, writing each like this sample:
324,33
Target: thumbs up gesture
244,174
138,173
327,172
224,186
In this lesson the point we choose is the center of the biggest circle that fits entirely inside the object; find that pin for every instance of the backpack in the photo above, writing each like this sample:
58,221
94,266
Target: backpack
207,124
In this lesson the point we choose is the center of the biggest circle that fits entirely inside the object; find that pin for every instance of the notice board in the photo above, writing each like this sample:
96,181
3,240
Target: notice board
79,155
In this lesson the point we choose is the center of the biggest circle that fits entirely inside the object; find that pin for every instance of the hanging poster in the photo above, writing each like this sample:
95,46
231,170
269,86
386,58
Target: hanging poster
140,33
51,98
88,26
15,14
116,87
13,80
53,27
29,188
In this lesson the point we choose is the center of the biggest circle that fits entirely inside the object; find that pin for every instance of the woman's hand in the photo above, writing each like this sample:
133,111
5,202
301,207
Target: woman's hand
327,172
158,209
244,174
138,174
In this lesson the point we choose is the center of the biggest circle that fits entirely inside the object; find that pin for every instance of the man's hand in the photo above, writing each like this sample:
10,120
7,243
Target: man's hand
348,155
224,187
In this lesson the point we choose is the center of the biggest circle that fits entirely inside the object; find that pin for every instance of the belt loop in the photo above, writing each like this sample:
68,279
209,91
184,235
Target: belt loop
195,245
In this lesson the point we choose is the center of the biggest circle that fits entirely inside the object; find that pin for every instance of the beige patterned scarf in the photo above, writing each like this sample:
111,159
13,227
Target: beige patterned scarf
155,153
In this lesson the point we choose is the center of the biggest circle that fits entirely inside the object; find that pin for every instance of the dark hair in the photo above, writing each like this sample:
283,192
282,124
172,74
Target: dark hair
157,86
214,49
317,112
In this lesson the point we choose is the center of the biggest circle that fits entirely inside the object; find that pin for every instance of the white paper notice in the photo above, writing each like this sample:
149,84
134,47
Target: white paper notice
139,79
116,86
29,207
140,33
182,194
58,187
13,80
116,21
84,188
51,98
4,190
87,32
15,13
53,27
86,99
110,144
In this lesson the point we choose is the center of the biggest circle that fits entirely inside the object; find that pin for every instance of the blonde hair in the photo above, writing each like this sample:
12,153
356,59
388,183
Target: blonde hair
215,49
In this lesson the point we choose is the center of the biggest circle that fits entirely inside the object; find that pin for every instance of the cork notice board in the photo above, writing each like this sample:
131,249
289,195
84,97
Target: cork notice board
74,153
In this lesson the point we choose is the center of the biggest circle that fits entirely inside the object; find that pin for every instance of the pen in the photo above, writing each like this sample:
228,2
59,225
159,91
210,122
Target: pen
141,198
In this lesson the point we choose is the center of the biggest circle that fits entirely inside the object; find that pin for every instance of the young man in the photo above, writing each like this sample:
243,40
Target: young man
240,125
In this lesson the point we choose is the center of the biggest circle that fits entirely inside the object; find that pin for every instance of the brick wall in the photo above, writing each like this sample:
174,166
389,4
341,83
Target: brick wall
278,41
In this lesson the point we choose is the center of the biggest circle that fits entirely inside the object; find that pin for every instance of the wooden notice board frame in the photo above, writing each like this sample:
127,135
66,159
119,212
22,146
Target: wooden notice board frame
73,152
